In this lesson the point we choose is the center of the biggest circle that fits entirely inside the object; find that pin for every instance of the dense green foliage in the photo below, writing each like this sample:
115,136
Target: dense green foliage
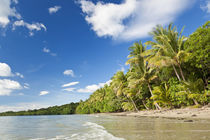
55,110
102,100
174,73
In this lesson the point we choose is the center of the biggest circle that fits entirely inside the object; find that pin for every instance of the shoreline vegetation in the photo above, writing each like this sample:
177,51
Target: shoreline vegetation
54,110
167,77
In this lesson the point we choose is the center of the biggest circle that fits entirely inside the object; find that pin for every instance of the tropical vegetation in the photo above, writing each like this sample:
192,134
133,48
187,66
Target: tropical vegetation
54,110
173,73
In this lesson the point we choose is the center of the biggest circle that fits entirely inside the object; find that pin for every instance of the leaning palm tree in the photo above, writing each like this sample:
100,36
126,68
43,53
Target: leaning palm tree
167,49
119,85
140,73
148,75
194,90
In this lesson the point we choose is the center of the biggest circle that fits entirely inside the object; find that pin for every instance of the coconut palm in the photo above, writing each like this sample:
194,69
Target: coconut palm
135,56
162,94
167,49
147,76
119,85
140,73
194,90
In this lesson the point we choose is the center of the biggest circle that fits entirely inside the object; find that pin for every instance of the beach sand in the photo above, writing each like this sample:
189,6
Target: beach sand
185,113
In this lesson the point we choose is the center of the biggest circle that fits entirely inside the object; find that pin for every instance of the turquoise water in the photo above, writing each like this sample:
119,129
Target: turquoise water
93,127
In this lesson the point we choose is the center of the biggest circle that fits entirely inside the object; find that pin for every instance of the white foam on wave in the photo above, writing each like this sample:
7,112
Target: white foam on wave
56,138
94,132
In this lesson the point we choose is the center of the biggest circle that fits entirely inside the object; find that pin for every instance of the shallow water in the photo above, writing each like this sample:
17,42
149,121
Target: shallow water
93,127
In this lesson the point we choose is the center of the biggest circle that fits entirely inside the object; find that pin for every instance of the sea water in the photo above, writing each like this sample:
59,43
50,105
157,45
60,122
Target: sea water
101,127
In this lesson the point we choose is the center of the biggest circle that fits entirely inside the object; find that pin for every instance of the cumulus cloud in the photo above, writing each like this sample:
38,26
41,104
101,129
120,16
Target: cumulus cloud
5,70
44,92
31,27
70,84
7,86
92,88
8,14
54,9
69,73
131,19
6,11
206,7
46,50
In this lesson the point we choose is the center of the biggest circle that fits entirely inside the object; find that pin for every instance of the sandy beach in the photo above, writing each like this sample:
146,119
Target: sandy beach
185,113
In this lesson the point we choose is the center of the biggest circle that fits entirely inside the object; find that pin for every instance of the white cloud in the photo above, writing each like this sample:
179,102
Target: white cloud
92,88
70,84
31,27
206,7
26,86
69,73
54,9
6,11
131,19
46,50
7,86
19,74
69,89
5,70
44,93
22,106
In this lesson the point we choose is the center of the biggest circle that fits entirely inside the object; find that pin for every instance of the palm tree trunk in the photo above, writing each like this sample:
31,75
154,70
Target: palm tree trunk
180,69
194,100
196,103
156,104
134,104
177,75
145,105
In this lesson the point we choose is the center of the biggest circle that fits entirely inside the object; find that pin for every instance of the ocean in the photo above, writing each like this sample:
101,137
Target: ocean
101,127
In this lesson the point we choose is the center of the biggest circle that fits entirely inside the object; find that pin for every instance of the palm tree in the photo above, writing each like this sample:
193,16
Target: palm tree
194,90
140,73
148,75
135,56
168,49
134,74
119,85
162,94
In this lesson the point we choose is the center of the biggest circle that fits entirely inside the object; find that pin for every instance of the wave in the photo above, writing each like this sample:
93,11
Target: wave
96,132
93,132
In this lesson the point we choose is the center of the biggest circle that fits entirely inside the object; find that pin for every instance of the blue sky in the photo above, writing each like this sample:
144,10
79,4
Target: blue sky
54,52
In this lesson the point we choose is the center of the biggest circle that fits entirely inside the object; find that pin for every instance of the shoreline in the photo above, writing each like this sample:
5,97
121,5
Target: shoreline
181,114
